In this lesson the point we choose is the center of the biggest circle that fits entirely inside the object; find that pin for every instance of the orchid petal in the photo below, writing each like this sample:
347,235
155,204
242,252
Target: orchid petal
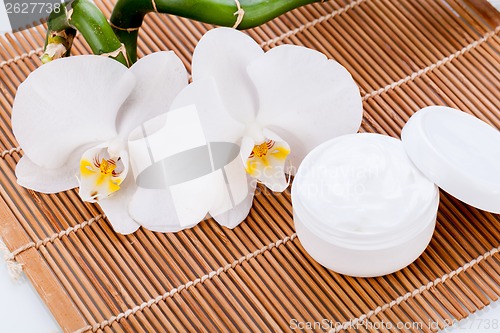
116,208
160,77
165,136
217,123
305,98
179,207
68,103
163,217
229,211
224,55
246,148
233,217
184,205
101,174
34,177
232,190
193,199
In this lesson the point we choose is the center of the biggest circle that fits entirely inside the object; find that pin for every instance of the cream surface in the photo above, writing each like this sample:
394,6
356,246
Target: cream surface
363,184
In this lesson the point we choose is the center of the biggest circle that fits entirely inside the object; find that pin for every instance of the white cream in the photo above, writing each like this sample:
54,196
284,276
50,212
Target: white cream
364,183
361,207
366,204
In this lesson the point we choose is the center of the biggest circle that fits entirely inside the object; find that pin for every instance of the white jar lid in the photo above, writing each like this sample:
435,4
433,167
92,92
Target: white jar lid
458,152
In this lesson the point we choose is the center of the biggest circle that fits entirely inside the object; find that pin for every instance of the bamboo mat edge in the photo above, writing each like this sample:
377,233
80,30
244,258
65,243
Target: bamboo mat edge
38,272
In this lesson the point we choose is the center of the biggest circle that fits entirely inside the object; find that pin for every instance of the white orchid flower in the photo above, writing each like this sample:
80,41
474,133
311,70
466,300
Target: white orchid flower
73,116
287,100
276,106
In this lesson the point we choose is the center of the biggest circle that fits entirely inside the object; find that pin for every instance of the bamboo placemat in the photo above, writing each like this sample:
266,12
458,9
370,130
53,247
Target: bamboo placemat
405,55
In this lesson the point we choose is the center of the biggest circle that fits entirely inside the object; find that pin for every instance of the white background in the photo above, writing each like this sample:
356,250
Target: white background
4,20
21,309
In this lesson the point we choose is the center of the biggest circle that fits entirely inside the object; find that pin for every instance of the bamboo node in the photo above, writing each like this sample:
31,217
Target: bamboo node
113,54
240,13
69,14
123,29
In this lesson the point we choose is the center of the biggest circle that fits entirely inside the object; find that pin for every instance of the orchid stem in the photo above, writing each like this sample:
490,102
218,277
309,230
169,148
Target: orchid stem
128,15
85,17
59,37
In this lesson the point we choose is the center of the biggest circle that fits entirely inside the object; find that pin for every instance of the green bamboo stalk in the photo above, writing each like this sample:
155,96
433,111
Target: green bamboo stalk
128,15
85,17
59,33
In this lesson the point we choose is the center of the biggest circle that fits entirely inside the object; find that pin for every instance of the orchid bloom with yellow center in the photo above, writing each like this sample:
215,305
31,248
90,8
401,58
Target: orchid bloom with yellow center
264,155
73,116
276,106
102,175
279,104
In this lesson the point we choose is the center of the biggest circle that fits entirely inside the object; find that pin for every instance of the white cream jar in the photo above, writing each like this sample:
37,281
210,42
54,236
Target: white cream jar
366,204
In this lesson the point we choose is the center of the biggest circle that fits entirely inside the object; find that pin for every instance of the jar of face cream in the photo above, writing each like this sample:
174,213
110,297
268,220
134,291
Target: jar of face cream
366,204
